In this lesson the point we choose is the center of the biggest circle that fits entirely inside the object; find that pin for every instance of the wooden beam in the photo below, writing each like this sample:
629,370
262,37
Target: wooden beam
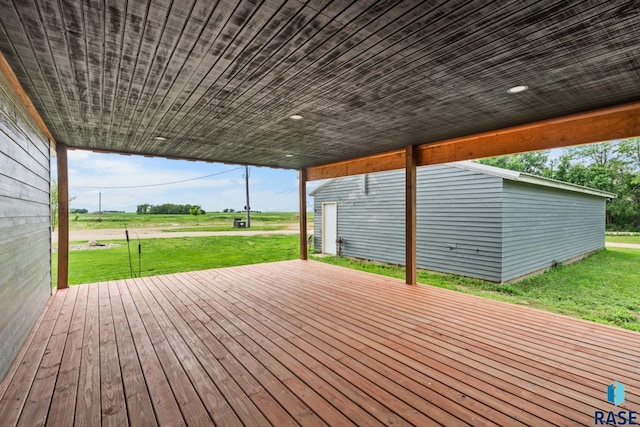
6,69
63,217
375,163
595,126
584,128
410,213
302,183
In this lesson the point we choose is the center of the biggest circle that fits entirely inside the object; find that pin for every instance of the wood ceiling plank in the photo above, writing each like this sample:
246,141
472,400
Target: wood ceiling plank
350,112
114,37
277,87
168,35
389,87
271,44
221,77
205,47
143,32
48,13
391,91
93,15
332,65
240,34
134,25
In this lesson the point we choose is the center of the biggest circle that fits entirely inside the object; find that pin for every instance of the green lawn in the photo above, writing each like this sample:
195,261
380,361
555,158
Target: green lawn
210,220
623,239
227,228
164,256
603,288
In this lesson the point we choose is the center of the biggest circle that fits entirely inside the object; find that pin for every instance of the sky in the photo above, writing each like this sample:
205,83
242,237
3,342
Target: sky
270,190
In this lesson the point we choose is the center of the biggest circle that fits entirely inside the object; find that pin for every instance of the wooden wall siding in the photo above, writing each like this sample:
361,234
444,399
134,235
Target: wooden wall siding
543,225
25,236
219,79
469,223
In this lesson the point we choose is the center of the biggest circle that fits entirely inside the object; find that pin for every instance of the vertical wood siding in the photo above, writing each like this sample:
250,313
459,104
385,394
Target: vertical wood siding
25,235
545,225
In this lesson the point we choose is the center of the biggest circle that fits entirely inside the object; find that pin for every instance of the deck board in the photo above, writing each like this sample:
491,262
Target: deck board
66,388
374,334
306,343
19,384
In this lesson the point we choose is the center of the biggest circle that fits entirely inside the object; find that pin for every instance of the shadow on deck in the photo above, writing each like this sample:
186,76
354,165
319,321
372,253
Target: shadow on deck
308,343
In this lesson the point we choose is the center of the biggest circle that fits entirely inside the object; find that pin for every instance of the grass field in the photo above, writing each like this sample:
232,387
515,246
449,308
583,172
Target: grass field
603,288
164,256
624,239
213,221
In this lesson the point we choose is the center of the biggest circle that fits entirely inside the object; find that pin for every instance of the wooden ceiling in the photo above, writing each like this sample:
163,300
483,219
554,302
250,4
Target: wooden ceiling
219,79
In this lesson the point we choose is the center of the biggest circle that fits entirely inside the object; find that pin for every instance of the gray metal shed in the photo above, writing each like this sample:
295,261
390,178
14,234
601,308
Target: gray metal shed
473,220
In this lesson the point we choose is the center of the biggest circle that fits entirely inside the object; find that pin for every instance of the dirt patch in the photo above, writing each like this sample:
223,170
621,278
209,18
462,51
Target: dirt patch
89,246
157,233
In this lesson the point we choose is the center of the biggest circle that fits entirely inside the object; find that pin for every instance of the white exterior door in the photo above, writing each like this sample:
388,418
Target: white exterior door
329,227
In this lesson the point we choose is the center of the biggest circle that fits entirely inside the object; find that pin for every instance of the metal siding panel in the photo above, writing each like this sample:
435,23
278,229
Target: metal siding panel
459,225
455,207
545,225
25,236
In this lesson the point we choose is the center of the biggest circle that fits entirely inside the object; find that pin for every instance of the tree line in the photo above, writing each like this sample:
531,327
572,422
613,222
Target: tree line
613,167
169,208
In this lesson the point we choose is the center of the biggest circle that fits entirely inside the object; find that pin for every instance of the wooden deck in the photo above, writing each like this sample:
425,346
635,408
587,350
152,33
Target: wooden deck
302,342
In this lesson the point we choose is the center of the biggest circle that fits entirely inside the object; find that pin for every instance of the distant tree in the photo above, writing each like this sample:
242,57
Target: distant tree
534,163
78,211
54,205
167,208
143,209
53,194
195,211
629,150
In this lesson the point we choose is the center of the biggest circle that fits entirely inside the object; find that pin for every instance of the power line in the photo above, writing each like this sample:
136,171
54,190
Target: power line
156,185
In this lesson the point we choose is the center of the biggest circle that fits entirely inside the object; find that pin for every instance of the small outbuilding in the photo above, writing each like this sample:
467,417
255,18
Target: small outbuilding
472,219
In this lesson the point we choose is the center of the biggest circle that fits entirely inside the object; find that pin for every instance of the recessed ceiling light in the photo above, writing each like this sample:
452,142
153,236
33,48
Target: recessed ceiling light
295,117
288,155
517,89
161,138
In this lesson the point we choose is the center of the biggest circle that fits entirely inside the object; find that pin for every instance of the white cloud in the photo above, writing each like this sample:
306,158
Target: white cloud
270,189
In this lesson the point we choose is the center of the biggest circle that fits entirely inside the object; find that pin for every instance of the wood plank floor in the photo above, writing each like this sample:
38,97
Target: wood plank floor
305,343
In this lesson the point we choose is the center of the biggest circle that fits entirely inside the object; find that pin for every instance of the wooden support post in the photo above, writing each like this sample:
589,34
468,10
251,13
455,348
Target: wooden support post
63,217
302,177
410,211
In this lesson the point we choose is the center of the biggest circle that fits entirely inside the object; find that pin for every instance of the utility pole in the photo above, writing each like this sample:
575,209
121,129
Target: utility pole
247,207
99,206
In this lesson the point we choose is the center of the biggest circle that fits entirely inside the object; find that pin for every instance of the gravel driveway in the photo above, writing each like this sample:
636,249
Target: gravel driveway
157,233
